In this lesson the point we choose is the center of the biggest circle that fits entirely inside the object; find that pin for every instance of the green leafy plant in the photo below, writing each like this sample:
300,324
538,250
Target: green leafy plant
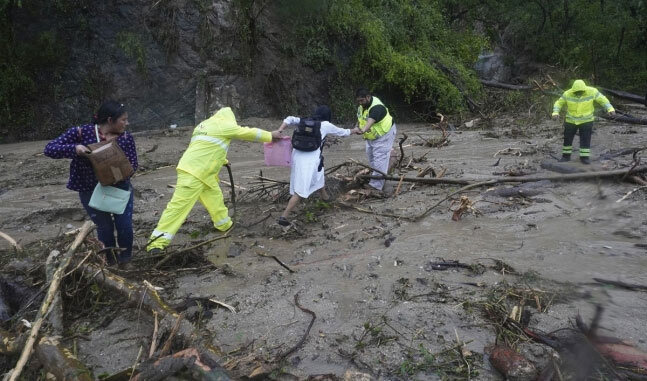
131,44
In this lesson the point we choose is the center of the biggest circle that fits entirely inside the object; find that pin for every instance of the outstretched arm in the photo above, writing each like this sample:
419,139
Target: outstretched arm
288,121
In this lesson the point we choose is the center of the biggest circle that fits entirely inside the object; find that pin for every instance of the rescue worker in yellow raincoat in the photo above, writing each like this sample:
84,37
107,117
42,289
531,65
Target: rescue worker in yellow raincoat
579,116
197,175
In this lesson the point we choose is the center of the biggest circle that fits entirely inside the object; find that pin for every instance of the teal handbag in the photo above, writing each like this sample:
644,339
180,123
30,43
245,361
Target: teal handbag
109,199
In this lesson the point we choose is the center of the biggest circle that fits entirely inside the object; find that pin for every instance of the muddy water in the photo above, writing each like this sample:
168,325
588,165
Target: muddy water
348,275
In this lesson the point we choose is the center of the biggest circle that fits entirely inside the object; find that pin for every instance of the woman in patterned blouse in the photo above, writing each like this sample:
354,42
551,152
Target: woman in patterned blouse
108,124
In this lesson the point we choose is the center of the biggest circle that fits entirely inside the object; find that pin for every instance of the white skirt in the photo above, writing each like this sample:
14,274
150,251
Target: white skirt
304,177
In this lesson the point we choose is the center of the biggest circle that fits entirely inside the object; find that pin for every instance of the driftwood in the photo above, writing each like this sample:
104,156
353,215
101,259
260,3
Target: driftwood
11,241
53,357
521,179
624,119
506,86
190,358
624,95
60,361
146,297
432,181
499,180
55,317
13,374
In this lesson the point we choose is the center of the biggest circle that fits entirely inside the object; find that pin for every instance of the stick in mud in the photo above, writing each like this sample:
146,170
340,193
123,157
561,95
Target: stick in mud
173,254
13,374
305,335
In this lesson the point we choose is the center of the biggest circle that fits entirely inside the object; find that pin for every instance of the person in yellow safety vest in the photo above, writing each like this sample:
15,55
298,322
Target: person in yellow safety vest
197,175
376,126
579,116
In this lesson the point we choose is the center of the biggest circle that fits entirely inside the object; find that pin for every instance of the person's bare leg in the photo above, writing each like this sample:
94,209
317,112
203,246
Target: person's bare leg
294,200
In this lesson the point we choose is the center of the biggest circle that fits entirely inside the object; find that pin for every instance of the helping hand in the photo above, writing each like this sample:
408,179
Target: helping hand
277,135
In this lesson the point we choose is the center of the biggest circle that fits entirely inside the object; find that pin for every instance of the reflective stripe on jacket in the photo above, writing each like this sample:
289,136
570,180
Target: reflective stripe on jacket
378,128
207,152
580,109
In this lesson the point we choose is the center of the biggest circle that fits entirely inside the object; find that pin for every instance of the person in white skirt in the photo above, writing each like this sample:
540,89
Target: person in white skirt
307,172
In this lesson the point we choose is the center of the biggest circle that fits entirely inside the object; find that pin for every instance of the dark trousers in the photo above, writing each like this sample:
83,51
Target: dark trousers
586,130
106,224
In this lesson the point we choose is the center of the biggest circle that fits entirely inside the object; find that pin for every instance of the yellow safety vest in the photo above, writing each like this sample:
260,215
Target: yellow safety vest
378,128
207,152
579,110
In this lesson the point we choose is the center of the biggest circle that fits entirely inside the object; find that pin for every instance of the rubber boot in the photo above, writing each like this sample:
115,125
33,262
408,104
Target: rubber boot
585,160
565,158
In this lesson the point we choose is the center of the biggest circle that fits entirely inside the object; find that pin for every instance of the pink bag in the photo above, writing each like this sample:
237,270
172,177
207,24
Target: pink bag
278,153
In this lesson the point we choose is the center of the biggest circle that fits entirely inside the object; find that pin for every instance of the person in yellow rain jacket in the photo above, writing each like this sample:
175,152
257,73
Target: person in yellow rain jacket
579,101
197,175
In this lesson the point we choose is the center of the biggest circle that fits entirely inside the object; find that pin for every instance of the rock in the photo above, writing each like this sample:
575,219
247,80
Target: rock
78,217
511,364
352,375
234,251
492,66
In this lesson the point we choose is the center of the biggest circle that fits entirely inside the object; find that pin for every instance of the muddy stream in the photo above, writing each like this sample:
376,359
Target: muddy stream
358,270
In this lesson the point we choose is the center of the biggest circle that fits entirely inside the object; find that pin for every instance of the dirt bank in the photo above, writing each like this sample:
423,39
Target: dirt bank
380,305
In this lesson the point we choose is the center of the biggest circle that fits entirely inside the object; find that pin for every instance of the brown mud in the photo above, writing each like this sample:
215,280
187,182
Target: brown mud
381,307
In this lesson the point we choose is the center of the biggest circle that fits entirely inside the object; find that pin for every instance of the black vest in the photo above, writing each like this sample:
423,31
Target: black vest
307,135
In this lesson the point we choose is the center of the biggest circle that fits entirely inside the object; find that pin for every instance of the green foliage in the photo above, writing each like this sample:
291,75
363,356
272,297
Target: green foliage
313,210
132,46
405,48
604,42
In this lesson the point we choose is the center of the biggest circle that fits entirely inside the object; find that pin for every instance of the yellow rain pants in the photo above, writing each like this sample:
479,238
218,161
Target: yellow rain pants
197,175
188,190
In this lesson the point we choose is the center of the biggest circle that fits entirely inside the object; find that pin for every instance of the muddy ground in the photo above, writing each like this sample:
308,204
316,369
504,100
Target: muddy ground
380,306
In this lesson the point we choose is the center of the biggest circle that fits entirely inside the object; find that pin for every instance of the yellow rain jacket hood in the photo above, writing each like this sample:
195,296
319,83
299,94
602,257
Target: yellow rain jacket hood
207,152
579,108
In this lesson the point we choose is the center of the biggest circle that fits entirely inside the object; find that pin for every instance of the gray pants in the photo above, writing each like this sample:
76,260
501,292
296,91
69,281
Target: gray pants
378,152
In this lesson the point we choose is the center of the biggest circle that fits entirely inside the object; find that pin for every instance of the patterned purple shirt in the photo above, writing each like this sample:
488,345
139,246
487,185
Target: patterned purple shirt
82,177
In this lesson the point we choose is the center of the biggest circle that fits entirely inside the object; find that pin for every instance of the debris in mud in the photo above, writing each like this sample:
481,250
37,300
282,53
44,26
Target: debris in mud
510,364
465,205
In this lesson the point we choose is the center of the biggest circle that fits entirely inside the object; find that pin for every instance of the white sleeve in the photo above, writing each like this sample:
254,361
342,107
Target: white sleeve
328,128
291,120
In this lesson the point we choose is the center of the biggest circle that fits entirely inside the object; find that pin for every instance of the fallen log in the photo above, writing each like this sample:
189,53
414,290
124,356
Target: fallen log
625,95
60,362
189,358
13,374
519,179
146,297
431,181
10,344
506,86
54,358
624,119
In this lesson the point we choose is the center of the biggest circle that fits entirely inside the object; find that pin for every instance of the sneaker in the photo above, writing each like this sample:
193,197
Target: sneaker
585,160
283,221
565,158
